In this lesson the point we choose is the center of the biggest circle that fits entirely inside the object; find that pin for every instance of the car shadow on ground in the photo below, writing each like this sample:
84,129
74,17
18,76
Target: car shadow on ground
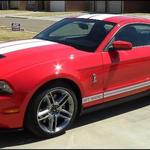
16,138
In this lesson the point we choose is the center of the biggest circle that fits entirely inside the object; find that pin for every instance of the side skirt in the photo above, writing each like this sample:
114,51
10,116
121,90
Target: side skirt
115,102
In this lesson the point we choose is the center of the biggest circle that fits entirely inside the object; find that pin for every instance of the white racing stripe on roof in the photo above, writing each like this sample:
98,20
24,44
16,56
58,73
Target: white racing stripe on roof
103,16
98,16
86,16
21,45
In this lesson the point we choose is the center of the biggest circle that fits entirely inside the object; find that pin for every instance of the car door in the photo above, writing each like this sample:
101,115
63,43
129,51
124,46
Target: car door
127,72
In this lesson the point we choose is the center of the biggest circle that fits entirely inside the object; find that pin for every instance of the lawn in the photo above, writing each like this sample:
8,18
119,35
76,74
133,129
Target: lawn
10,12
37,13
46,14
7,35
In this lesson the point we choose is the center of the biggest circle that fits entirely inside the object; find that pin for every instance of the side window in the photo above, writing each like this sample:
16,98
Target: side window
108,27
137,34
144,34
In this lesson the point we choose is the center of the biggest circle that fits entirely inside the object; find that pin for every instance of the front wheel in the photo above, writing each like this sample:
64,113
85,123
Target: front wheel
52,111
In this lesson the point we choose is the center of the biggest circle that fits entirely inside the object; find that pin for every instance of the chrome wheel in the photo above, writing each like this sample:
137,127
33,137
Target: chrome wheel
55,110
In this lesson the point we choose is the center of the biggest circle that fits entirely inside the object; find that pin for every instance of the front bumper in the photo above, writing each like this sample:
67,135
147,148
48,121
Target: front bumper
10,115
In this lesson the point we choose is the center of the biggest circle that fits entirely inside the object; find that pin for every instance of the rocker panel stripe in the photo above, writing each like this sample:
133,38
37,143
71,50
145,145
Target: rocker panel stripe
115,92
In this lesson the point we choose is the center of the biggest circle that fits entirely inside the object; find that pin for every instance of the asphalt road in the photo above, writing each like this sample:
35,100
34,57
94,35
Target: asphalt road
123,126
27,24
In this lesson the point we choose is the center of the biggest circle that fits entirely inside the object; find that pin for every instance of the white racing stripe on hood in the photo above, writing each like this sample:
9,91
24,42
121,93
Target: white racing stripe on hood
21,45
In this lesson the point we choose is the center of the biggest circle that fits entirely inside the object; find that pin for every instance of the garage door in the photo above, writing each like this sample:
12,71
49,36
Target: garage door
13,4
114,6
57,5
100,6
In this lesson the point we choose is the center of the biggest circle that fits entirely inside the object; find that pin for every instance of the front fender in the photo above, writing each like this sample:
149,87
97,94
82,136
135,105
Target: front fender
26,82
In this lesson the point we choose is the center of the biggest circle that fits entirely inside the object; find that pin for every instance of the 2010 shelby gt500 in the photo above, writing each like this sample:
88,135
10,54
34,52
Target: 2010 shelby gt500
73,65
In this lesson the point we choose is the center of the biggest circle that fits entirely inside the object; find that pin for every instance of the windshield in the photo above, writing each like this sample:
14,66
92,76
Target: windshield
83,34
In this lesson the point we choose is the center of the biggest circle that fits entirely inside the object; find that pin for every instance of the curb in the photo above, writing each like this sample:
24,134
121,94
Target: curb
36,18
16,17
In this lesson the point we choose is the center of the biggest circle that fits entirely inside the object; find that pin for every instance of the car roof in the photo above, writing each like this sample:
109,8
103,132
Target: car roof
115,18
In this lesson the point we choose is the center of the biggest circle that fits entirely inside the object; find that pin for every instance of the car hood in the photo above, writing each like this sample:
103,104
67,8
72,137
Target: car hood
20,54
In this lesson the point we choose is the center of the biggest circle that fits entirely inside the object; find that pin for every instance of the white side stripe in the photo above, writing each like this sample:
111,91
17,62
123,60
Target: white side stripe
115,92
92,98
126,89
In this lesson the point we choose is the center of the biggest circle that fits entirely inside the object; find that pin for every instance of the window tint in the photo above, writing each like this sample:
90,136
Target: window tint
108,27
137,34
144,34
74,29
83,34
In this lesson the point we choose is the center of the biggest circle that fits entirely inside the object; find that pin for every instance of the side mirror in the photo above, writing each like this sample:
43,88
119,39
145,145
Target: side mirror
122,45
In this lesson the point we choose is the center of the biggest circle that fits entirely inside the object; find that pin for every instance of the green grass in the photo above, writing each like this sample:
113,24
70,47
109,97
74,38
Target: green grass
36,13
46,14
7,35
10,12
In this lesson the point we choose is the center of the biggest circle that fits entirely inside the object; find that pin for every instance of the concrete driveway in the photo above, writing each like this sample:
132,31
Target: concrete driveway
123,126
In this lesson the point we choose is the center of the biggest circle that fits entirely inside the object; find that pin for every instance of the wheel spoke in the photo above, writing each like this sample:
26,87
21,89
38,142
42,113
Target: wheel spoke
63,100
55,122
44,112
65,112
48,100
51,123
44,118
64,117
52,97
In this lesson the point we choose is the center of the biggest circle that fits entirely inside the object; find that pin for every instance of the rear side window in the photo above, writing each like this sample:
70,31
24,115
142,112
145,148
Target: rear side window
137,34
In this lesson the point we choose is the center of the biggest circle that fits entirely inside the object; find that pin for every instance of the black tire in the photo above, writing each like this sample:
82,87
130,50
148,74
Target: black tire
31,120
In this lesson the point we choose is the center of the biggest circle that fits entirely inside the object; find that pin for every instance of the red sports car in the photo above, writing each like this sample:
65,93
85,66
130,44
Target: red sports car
76,64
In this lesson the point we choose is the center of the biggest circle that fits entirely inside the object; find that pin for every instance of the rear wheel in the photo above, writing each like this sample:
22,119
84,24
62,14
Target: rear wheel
52,111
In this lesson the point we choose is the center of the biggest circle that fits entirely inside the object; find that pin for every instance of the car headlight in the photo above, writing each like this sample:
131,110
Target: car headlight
5,89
